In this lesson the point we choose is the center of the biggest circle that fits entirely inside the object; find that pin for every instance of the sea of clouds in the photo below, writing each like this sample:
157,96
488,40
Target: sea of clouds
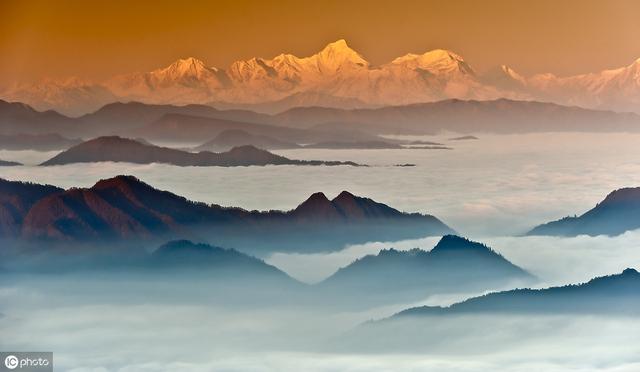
490,190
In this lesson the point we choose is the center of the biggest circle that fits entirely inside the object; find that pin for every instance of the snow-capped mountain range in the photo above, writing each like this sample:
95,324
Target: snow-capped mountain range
337,76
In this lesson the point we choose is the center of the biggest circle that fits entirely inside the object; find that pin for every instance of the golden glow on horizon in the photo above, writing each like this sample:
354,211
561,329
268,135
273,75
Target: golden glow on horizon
99,39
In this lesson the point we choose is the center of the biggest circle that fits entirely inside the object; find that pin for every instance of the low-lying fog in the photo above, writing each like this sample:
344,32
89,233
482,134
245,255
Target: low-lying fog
497,185
555,260
114,332
490,190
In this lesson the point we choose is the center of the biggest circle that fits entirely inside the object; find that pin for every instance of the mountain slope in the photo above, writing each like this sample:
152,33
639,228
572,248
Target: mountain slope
37,142
119,149
617,213
231,138
126,209
499,116
19,118
184,254
187,128
454,265
4,163
619,293
16,199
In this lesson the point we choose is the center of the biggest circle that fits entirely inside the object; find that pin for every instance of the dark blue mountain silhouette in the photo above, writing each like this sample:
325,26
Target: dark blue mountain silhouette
617,213
455,265
618,293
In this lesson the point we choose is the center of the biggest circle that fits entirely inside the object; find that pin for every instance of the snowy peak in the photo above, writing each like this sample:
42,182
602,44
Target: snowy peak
504,77
337,54
435,61
251,69
187,67
341,77
508,71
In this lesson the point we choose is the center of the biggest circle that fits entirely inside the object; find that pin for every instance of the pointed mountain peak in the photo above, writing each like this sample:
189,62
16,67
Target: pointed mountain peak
453,243
340,44
186,67
317,206
317,197
344,195
339,53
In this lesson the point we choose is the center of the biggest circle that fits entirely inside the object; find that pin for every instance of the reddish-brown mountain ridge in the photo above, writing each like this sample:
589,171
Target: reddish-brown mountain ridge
125,208
16,199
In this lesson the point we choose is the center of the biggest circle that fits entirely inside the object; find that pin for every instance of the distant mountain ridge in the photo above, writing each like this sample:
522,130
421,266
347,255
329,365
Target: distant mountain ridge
124,209
197,123
337,76
37,142
118,149
231,138
617,213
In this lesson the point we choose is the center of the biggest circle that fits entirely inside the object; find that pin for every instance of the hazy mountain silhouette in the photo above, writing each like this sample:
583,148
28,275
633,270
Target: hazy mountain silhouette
499,116
231,138
194,122
4,163
184,254
124,209
37,142
19,118
123,118
496,320
234,137
463,138
612,294
617,213
189,123
354,145
454,265
127,150
303,99
187,128
16,199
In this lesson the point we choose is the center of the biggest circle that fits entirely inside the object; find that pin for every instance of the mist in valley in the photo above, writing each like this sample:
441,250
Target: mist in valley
497,185
491,190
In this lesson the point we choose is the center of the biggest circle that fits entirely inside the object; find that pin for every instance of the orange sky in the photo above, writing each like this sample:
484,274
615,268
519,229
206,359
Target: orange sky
96,39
